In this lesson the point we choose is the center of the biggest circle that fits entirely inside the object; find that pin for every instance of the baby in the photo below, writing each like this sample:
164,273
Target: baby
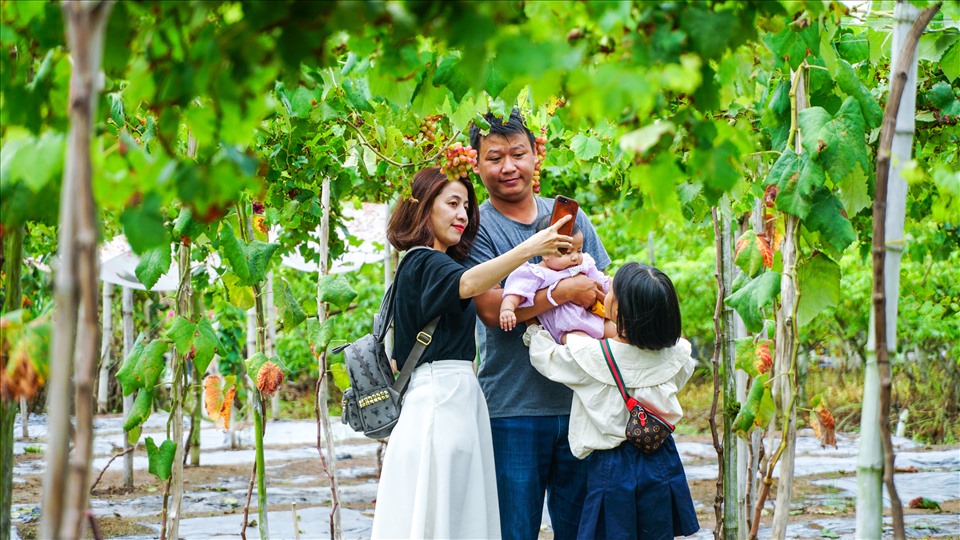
524,282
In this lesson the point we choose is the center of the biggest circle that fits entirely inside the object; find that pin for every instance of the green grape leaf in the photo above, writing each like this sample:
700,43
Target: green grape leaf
752,297
301,102
811,121
853,48
239,295
39,161
143,225
153,263
748,255
181,333
950,62
450,74
357,92
248,261
585,148
843,142
853,192
335,289
291,314
143,366
139,413
645,138
796,176
324,336
207,343
160,459
185,225
786,166
232,249
819,279
746,354
792,45
851,85
828,218
750,415
942,97
340,377
776,119
254,363
133,435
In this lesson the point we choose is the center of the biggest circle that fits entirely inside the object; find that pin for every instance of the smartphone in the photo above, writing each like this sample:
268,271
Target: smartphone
564,206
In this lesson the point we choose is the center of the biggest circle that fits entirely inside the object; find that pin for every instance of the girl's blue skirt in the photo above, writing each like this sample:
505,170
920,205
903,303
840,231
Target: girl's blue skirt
635,495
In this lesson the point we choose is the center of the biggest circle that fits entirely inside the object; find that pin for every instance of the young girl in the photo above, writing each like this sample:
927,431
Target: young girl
629,494
438,478
524,282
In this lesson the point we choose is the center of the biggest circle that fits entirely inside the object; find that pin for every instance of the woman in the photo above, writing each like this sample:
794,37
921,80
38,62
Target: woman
438,477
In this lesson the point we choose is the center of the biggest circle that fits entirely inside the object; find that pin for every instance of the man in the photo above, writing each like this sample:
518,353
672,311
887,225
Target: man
529,414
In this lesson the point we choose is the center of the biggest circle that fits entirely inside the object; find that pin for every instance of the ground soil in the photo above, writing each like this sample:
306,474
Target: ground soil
111,487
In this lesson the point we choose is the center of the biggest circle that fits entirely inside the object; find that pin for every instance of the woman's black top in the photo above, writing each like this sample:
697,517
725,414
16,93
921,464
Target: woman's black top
428,285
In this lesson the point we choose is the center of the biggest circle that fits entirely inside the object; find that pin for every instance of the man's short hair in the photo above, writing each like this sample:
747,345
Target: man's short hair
513,125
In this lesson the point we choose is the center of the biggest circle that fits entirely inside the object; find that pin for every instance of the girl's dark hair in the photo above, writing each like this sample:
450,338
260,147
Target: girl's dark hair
410,223
648,311
544,222
513,125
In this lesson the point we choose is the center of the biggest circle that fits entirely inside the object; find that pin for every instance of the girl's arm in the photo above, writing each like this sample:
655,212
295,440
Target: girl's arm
483,276
554,361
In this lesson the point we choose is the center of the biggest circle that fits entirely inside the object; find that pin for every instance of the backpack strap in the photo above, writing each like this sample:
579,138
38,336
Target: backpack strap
615,371
423,339
384,318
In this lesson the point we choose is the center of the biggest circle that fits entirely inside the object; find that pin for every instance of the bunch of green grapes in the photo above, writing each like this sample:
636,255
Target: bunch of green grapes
458,162
429,127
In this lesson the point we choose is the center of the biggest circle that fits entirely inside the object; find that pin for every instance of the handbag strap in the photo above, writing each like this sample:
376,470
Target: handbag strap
423,339
615,371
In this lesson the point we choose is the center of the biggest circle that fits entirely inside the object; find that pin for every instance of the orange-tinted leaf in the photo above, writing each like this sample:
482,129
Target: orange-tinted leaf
764,360
770,196
213,396
223,421
269,379
823,424
260,224
764,246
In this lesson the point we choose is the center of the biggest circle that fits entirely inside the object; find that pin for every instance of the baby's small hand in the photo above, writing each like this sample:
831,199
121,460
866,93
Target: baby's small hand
508,320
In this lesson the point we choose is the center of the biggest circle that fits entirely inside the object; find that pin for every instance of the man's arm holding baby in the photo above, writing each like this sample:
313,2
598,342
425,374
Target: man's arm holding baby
579,289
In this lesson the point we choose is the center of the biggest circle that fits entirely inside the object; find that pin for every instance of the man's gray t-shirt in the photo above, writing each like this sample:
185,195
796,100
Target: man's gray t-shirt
510,384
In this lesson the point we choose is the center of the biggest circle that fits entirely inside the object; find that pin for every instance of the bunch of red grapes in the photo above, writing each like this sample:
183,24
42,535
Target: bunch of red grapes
459,161
541,148
429,127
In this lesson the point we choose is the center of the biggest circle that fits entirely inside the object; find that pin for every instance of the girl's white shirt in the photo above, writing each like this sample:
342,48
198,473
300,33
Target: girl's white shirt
598,416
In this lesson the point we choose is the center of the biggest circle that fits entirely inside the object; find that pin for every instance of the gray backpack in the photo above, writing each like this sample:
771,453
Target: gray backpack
372,403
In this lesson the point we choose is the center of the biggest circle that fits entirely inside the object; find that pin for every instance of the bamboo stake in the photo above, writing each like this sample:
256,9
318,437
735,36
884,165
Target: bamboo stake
65,492
718,499
905,63
128,340
328,462
103,389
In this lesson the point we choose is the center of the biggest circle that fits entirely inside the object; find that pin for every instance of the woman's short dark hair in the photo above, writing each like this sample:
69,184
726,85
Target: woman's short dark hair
648,310
410,223
513,125
544,222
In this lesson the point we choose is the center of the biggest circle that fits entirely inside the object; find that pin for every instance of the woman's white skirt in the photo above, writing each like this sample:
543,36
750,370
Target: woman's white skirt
438,477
